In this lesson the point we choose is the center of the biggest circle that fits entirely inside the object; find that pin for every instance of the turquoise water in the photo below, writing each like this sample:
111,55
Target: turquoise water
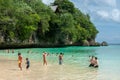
76,60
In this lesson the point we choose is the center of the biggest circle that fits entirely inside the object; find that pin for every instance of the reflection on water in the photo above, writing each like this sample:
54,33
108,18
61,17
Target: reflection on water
75,62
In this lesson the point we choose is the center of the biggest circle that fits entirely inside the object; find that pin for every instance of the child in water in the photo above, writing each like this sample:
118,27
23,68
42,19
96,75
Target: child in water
27,63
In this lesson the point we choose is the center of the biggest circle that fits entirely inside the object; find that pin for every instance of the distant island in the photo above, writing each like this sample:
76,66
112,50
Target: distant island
31,23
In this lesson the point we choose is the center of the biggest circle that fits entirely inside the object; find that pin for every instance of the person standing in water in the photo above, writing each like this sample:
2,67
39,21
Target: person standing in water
96,62
12,50
60,59
44,58
91,61
27,63
20,61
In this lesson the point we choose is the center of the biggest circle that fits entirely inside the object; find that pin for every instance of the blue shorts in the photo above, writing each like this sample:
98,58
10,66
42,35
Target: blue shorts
60,62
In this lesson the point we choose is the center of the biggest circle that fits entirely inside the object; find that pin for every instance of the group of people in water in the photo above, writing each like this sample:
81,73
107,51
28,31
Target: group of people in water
44,60
93,60
46,54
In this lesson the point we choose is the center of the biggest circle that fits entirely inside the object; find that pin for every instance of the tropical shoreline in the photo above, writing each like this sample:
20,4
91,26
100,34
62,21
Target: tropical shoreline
75,65
18,46
37,71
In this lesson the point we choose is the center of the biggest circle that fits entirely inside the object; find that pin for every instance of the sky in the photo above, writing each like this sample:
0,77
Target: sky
105,14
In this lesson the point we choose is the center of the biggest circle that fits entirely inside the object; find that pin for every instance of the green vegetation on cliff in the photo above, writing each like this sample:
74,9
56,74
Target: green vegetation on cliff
31,21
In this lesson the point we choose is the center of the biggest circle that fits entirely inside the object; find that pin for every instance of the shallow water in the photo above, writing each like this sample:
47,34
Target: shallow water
75,62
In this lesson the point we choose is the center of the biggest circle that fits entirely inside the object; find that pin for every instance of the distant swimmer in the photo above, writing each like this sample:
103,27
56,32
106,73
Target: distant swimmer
57,54
8,50
27,63
72,55
20,61
12,50
44,58
48,54
28,51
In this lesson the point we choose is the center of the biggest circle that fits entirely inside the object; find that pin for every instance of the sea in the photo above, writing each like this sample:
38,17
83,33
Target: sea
75,61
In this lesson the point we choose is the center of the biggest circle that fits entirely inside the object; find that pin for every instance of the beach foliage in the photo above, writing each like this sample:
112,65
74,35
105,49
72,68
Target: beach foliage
22,19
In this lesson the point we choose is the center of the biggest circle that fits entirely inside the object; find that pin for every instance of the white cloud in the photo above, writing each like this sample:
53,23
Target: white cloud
103,14
110,12
106,10
110,2
113,15
47,1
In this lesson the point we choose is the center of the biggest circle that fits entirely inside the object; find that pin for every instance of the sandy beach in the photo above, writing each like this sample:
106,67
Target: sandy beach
9,71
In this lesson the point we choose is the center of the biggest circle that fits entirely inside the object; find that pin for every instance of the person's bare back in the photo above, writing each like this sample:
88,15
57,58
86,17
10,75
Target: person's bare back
44,58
